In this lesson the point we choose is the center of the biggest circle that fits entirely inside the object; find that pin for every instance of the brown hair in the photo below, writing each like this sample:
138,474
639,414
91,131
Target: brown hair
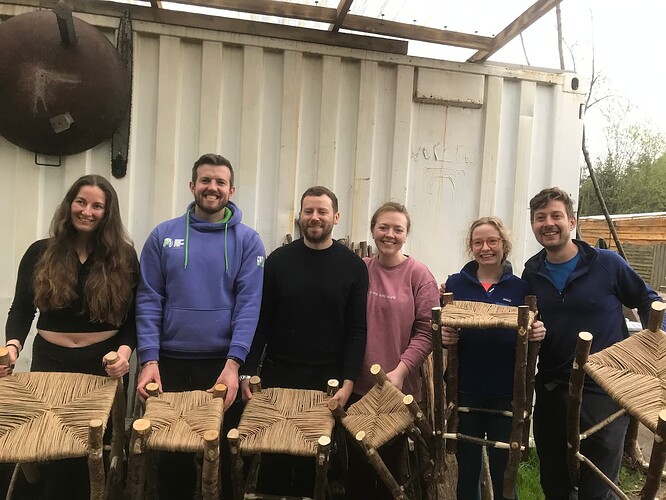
107,294
497,223
215,160
321,191
390,206
547,195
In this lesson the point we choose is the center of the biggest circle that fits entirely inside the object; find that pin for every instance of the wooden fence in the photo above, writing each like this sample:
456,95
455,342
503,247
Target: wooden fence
650,262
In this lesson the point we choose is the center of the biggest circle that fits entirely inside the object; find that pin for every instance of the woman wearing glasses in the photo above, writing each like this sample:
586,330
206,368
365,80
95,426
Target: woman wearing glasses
486,357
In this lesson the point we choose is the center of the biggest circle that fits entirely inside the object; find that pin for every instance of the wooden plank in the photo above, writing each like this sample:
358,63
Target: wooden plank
190,20
413,32
522,22
658,278
270,8
340,14
156,4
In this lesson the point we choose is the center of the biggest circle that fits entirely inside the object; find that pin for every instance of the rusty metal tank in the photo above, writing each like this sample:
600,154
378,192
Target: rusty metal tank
63,85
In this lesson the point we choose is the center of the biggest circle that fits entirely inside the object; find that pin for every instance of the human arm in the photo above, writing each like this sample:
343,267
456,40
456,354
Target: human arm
355,324
150,299
121,366
632,290
248,289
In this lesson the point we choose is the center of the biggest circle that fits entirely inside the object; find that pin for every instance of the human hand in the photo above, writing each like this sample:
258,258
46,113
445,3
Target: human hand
150,372
7,367
442,289
343,394
398,375
244,387
229,377
450,336
121,365
537,332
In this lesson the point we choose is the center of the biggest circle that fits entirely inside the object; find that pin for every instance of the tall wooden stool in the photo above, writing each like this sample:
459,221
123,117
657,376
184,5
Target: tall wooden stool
480,316
381,415
187,422
285,421
632,372
54,416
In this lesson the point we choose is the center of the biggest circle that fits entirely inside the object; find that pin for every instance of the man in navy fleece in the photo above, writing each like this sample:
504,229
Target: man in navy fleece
579,288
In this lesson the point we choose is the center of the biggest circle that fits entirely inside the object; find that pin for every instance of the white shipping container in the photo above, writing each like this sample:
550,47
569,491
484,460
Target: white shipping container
453,141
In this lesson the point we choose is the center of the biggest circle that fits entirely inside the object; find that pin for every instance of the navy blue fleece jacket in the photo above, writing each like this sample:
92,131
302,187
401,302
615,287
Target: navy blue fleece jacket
590,301
487,357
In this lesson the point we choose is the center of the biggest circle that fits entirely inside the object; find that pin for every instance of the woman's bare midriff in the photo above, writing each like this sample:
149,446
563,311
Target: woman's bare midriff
76,339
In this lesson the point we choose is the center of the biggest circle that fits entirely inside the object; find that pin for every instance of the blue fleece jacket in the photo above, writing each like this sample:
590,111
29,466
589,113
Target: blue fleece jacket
590,301
487,357
200,290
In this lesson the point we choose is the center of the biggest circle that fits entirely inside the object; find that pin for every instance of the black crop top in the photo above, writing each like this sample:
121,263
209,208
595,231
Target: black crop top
71,319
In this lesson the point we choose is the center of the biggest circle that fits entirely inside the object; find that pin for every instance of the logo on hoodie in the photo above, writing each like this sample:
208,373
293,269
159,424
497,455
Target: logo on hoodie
260,260
169,243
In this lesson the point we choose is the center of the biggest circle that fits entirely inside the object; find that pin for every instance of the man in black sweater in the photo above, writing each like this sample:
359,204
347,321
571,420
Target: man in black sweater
312,320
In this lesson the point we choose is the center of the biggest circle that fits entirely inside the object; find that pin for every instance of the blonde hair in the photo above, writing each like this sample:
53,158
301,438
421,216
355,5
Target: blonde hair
497,223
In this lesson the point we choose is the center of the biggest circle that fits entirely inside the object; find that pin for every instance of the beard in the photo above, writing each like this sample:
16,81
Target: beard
206,207
310,234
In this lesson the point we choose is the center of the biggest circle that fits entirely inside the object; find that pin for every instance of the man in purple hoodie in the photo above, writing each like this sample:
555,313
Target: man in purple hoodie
200,293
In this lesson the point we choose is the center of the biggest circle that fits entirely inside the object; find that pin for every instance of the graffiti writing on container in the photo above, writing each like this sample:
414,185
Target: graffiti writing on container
445,154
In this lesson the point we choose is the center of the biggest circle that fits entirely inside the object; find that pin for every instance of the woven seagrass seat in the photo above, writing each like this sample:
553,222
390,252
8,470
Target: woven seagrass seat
382,414
481,316
286,421
633,373
54,416
178,422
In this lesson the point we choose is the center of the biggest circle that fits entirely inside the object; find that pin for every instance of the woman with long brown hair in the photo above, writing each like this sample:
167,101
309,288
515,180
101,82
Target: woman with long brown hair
82,280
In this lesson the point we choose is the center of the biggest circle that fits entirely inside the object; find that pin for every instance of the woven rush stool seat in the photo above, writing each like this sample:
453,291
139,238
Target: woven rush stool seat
479,315
287,421
187,422
46,416
179,420
54,416
633,373
276,420
381,413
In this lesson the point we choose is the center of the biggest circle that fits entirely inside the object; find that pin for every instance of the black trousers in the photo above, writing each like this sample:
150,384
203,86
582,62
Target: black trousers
604,448
177,471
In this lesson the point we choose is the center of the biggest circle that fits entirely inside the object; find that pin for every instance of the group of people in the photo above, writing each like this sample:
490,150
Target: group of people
206,306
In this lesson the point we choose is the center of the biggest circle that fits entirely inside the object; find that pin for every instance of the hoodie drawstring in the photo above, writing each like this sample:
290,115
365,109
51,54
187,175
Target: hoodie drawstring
227,217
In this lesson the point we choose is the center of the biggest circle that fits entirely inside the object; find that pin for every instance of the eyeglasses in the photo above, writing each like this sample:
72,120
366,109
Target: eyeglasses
491,242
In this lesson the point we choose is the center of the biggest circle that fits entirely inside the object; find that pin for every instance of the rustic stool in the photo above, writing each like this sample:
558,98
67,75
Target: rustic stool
286,421
632,373
480,315
381,415
53,416
187,422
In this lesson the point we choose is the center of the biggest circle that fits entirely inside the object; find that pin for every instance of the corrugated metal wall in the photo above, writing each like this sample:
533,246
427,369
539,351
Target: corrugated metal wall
453,141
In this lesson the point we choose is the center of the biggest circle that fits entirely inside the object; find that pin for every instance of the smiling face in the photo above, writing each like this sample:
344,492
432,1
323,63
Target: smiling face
212,191
552,226
487,246
316,219
88,209
390,234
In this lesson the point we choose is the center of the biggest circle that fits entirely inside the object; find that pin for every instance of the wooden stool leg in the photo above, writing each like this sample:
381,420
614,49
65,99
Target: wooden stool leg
379,465
211,466
136,480
657,460
438,389
116,468
95,459
451,385
237,480
576,380
518,403
532,355
323,452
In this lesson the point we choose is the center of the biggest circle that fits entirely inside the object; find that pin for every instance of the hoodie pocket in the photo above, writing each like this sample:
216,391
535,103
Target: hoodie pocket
193,328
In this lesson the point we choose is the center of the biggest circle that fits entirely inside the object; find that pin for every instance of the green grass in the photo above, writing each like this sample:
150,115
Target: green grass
528,479
631,481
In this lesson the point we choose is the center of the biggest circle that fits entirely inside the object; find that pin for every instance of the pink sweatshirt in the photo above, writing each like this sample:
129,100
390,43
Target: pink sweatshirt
400,300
